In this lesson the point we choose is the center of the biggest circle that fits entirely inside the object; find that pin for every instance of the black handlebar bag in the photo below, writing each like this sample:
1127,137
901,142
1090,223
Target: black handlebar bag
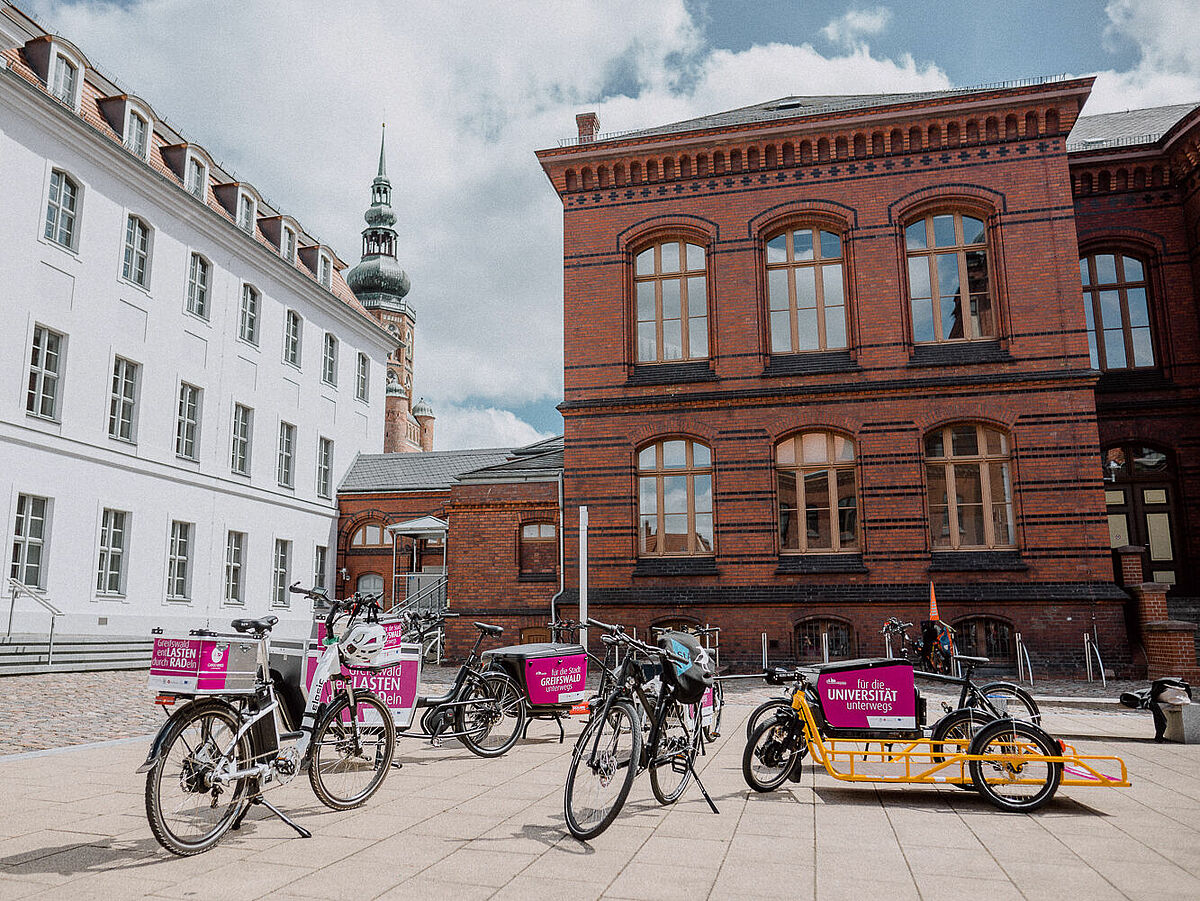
689,680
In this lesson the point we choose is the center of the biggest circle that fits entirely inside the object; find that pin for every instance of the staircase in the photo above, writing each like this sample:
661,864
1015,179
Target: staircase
24,654
431,599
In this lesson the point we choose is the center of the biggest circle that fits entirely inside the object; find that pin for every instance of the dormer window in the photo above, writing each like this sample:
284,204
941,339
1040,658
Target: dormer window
325,271
64,80
197,177
246,213
287,244
137,134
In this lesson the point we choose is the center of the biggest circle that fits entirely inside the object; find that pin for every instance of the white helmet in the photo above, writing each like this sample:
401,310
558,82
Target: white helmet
363,643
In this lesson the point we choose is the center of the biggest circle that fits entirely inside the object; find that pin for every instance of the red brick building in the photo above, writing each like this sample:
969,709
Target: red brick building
822,351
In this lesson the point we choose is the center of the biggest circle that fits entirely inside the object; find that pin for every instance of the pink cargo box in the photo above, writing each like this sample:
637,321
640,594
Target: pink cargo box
868,698
204,665
553,675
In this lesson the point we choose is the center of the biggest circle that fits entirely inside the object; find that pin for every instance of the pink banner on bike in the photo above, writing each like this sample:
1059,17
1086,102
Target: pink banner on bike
879,697
201,665
556,680
395,685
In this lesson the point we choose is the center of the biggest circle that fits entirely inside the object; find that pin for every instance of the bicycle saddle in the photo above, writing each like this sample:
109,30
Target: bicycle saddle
260,626
978,661
488,629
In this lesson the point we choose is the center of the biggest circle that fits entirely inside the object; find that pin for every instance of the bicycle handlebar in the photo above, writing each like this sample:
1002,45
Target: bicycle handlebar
617,633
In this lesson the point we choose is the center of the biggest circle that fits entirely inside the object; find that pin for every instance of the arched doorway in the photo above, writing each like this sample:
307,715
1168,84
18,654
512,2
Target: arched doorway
1140,495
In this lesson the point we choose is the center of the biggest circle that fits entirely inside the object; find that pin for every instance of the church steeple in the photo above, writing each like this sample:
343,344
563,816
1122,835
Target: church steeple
378,280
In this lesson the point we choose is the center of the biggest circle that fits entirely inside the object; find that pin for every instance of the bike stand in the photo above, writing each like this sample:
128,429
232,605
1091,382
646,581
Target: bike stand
304,833
556,717
690,766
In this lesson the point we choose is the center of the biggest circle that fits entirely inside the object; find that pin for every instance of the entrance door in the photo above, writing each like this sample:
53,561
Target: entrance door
1139,492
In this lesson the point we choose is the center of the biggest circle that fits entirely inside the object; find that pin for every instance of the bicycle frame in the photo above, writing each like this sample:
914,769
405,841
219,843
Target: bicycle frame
627,687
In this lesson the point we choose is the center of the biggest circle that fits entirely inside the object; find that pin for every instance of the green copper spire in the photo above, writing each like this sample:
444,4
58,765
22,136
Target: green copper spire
378,279
382,176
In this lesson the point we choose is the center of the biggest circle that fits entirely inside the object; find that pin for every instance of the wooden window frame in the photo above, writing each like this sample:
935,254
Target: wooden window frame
817,263
687,304
384,542
833,466
985,461
1092,289
690,471
960,248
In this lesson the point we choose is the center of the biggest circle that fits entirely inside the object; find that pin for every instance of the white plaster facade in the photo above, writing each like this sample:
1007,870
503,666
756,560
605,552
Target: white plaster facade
70,458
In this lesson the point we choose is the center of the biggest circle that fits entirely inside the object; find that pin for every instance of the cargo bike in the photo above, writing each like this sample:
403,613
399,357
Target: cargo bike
862,720
551,676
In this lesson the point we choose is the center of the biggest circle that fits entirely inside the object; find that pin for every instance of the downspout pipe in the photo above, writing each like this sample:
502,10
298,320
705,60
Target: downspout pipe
561,540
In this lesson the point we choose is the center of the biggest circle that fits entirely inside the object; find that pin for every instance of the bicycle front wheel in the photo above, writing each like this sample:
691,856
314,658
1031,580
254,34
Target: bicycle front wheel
352,750
603,765
673,759
188,808
1009,700
769,756
494,716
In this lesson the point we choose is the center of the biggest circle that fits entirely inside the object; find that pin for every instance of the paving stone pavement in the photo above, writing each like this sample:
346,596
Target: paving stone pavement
451,825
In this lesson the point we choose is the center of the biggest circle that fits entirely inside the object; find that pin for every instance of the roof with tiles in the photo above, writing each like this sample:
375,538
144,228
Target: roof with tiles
428,471
545,458
96,88
1130,127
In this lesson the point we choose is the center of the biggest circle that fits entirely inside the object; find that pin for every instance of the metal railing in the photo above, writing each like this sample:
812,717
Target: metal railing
430,599
17,587
1091,650
1024,666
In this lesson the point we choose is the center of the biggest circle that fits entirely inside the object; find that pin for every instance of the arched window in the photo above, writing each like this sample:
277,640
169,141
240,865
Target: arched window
675,508
371,583
968,469
806,293
538,551
812,635
671,290
61,207
948,281
985,636
818,494
1116,307
198,285
370,535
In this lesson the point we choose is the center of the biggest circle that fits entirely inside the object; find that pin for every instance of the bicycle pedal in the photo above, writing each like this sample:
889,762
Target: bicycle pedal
679,765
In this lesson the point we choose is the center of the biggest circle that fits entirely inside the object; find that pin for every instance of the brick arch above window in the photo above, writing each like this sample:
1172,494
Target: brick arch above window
827,213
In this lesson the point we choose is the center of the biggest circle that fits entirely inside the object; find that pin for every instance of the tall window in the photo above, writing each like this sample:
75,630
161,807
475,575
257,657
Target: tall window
248,322
325,271
135,264
806,295
29,540
539,550
330,360
197,297
291,338
62,204
362,382
675,498
235,557
288,244
179,562
284,472
948,279
122,405
110,571
282,573
239,453
1117,310
64,77
320,567
187,422
670,285
197,177
137,134
245,216
45,368
324,467
818,496
969,472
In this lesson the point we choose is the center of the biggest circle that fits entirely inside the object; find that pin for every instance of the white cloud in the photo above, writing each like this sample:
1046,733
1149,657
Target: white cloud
849,29
456,428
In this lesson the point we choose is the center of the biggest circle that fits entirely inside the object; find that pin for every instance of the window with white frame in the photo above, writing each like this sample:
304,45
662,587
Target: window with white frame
325,468
122,407
325,271
320,566
243,426
29,540
135,265
198,278
282,574
284,471
110,569
287,244
64,80
330,360
291,338
235,555
62,206
179,562
137,134
197,177
187,422
45,373
246,213
363,379
248,323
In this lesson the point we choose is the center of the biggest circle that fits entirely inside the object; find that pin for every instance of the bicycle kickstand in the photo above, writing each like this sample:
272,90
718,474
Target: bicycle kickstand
237,823
703,790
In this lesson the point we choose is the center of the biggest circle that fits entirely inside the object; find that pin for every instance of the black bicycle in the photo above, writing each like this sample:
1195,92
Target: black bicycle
611,750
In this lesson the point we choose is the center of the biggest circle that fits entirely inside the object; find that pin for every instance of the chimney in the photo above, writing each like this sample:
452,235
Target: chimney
589,127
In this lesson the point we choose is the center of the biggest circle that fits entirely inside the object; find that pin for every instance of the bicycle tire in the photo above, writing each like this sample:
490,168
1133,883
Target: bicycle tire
763,710
614,767
768,749
349,754
686,741
499,702
713,730
1010,700
959,727
997,779
195,765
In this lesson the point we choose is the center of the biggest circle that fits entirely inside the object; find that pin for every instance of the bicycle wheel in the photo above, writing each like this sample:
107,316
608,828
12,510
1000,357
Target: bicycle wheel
678,745
1009,700
188,811
603,765
769,756
494,716
1011,781
713,730
952,734
764,712
352,750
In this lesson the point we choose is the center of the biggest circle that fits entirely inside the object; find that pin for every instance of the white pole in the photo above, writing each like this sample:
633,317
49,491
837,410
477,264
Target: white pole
825,646
1020,662
764,644
1087,654
583,576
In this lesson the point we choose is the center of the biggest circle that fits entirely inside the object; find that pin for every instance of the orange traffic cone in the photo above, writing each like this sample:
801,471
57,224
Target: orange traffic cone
933,611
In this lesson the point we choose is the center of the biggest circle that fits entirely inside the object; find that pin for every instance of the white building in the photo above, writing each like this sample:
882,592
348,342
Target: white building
184,375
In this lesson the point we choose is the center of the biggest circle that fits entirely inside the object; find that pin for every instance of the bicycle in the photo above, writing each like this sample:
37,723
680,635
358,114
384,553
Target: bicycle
713,704
610,752
214,757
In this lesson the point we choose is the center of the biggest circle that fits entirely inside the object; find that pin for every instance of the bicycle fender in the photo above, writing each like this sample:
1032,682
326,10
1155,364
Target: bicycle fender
156,745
